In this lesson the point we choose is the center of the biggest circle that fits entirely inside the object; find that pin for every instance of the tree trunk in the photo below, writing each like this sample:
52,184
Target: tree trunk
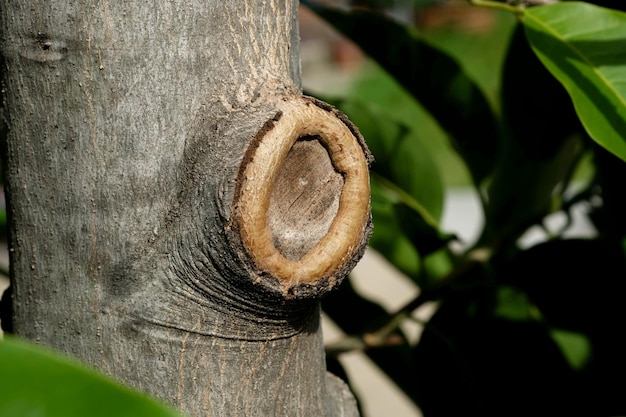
177,208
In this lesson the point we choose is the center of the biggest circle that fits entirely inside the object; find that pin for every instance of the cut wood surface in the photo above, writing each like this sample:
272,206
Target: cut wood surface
319,237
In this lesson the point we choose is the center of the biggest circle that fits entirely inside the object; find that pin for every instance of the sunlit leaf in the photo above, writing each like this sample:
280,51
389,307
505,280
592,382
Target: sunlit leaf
479,50
584,47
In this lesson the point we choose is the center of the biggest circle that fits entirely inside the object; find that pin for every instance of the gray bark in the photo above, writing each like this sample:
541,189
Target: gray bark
128,123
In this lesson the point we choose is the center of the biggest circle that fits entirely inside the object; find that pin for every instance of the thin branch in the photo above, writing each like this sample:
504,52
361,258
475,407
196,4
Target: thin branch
407,199
384,335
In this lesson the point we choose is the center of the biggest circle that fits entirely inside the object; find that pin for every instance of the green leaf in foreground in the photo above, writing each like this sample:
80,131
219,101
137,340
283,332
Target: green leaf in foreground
36,382
584,47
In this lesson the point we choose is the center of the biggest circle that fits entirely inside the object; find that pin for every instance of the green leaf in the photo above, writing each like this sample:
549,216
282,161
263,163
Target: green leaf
575,347
513,304
36,382
404,175
584,47
378,88
400,158
479,52
388,238
431,76
424,237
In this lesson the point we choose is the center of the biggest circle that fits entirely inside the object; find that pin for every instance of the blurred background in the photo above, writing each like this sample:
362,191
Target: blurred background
333,65
479,41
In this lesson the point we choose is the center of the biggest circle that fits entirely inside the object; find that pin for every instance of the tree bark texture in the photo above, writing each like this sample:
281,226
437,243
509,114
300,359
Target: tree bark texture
177,207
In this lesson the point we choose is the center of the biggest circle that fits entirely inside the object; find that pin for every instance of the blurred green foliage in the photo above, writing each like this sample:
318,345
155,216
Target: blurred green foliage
518,330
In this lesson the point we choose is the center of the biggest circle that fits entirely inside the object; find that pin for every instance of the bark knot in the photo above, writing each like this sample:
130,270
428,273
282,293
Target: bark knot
301,207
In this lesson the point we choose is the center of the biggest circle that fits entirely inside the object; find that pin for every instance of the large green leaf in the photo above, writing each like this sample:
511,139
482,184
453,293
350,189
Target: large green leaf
431,76
36,382
584,47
